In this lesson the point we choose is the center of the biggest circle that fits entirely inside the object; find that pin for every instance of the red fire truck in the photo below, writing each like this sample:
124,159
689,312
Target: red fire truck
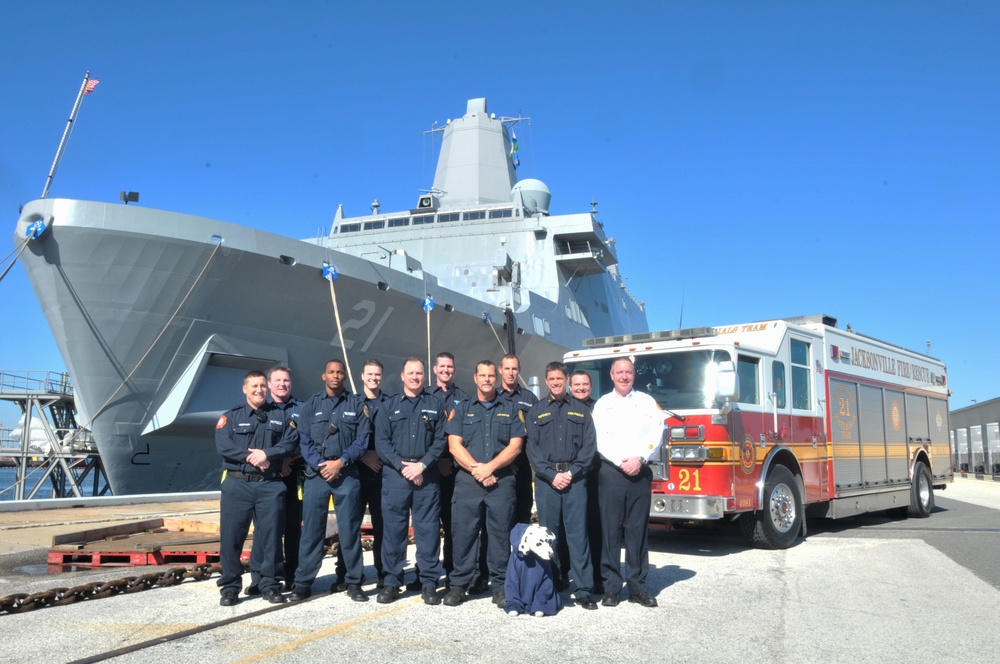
766,419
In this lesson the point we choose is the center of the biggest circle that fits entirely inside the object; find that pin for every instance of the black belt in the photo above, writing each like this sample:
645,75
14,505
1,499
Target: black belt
334,457
249,477
561,467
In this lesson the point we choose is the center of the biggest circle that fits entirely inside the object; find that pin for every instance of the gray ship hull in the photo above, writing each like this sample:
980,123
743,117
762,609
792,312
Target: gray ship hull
110,278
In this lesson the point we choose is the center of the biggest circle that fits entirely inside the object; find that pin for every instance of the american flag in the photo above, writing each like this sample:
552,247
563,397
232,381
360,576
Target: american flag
91,84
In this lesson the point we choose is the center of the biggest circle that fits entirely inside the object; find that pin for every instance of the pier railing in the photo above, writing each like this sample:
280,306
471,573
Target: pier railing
37,448
35,382
8,443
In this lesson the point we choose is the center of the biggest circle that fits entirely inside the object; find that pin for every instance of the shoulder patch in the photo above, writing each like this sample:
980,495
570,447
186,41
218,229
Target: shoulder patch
292,424
221,423
451,414
367,414
520,415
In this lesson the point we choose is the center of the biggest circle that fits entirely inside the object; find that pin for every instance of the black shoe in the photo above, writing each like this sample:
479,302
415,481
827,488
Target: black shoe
387,595
338,586
481,585
454,597
229,598
430,596
356,594
586,603
610,599
299,594
642,598
500,599
274,596
252,590
414,586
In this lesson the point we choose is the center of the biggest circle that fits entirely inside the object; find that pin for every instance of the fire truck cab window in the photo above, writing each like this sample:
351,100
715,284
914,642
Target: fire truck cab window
748,369
800,374
778,383
680,380
677,380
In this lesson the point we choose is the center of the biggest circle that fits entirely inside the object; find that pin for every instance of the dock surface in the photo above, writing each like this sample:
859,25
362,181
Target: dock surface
866,589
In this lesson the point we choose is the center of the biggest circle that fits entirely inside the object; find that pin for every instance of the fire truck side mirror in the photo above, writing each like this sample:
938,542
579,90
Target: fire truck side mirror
728,382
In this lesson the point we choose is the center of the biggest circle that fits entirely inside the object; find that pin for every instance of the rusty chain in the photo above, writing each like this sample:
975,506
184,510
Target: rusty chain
22,602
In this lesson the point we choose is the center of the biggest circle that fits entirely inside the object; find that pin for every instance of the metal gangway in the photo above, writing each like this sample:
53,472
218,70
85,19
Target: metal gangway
48,446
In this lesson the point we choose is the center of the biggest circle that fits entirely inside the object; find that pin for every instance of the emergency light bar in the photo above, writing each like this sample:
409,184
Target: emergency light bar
664,335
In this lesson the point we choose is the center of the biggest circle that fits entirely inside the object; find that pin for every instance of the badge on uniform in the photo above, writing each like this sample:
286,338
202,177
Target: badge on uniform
221,423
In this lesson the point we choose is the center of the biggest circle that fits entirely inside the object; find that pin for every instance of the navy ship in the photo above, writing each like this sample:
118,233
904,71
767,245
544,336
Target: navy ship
158,314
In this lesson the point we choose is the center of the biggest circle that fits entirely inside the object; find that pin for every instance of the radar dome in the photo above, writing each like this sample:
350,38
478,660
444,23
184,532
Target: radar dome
534,194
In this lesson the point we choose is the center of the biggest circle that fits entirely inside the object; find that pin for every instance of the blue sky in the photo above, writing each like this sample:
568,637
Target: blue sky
753,160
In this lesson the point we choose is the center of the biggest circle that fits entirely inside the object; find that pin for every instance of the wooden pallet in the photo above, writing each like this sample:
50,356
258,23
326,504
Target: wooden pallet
149,542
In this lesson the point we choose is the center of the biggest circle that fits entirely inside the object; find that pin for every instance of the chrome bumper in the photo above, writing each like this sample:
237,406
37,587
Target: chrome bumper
686,507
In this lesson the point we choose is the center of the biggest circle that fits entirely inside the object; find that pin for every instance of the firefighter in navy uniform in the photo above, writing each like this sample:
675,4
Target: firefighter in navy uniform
409,438
279,388
252,439
334,429
511,391
445,389
485,435
510,369
580,386
370,472
561,444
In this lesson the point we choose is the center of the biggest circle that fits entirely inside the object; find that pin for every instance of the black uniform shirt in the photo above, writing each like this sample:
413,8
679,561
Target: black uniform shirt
560,431
290,408
485,427
524,398
410,428
240,430
451,397
347,412
373,405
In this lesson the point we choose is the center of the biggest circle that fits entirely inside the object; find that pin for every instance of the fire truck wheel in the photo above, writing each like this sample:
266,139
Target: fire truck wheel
778,524
921,492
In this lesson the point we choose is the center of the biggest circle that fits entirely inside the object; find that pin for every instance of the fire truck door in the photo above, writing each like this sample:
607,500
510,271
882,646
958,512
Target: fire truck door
777,402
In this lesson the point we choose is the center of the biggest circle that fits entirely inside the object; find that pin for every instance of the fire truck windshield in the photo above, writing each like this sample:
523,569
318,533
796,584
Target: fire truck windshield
678,380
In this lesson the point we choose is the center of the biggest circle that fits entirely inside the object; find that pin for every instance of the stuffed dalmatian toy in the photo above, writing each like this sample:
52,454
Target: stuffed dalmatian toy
529,586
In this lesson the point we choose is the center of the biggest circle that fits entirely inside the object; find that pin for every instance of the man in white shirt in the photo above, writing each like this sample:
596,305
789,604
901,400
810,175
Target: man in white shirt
629,431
